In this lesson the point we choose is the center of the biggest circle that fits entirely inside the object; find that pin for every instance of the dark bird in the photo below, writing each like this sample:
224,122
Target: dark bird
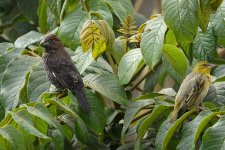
61,71
193,89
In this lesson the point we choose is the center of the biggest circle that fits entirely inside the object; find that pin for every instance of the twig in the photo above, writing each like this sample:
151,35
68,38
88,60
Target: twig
134,86
111,62
142,115
63,9
84,6
31,53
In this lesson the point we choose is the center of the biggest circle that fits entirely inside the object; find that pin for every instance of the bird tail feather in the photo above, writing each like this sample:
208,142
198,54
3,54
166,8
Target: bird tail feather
82,100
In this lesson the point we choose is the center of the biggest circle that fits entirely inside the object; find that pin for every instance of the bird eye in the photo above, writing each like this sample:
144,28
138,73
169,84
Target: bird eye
204,65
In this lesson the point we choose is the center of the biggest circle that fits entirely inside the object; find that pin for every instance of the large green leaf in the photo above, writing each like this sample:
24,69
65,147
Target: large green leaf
97,113
118,50
213,139
152,41
204,46
14,79
147,122
100,10
4,47
28,39
28,9
38,83
193,129
80,131
218,24
182,17
55,7
167,129
6,58
83,60
108,85
176,58
128,65
24,120
39,110
204,13
69,30
172,72
216,93
42,15
131,111
58,139
14,139
121,9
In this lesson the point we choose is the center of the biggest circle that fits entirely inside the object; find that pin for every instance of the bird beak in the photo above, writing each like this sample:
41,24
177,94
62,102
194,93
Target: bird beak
210,66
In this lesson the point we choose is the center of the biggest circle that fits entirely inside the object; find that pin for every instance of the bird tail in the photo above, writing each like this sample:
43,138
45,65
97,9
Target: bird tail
82,100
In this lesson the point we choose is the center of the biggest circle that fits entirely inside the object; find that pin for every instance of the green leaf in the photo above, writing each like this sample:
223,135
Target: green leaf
182,17
58,139
213,138
55,7
42,112
28,9
118,50
128,65
100,10
147,122
30,38
170,38
4,47
152,41
38,83
131,111
216,93
176,58
100,66
14,79
108,85
24,120
14,138
192,130
121,9
204,14
69,30
83,60
6,58
172,72
167,129
42,15
204,46
218,24
97,113
81,131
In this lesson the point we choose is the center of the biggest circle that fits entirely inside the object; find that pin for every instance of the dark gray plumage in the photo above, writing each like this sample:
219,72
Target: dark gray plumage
61,71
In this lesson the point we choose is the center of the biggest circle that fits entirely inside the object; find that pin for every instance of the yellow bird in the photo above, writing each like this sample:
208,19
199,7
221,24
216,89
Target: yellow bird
193,89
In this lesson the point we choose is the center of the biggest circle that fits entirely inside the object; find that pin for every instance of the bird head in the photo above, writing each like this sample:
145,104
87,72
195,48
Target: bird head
51,43
203,67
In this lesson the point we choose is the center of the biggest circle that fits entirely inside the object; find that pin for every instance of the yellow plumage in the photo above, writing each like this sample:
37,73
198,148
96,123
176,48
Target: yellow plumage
193,89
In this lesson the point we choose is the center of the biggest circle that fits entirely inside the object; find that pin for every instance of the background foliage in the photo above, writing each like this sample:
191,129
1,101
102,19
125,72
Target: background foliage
127,63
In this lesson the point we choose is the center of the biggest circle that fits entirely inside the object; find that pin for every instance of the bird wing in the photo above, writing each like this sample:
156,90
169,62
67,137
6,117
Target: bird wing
68,75
196,83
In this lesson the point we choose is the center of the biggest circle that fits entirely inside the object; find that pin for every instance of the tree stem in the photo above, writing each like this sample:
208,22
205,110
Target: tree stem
84,6
134,86
111,62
